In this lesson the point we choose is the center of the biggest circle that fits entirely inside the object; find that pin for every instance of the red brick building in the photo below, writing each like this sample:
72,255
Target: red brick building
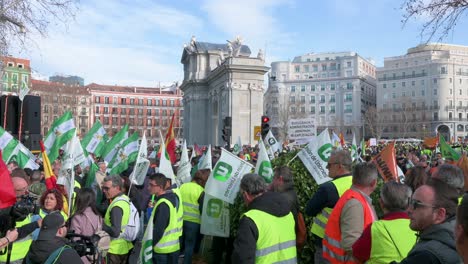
142,108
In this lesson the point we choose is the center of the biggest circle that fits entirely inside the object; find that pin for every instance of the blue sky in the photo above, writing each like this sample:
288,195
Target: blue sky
140,42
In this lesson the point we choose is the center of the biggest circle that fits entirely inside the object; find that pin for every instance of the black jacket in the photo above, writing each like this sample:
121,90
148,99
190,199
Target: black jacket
435,245
41,249
245,243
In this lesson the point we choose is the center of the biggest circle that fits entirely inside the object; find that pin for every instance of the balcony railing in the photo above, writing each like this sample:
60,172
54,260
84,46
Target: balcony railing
402,77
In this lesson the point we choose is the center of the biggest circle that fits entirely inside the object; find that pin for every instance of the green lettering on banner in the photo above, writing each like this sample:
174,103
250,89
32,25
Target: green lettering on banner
265,171
271,141
214,207
324,151
222,171
148,251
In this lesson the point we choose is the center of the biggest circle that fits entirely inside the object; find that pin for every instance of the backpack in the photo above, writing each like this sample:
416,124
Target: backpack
133,226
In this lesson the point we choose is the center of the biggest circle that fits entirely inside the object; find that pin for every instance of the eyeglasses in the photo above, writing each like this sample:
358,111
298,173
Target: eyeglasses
417,204
331,163
105,188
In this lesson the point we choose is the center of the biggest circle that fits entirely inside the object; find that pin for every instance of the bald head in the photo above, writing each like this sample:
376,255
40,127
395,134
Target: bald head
20,185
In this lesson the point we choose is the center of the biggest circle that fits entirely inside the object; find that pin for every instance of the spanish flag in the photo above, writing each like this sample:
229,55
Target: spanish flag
50,179
170,141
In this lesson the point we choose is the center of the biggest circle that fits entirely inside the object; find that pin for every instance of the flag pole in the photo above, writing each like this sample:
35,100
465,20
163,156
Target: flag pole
6,111
20,122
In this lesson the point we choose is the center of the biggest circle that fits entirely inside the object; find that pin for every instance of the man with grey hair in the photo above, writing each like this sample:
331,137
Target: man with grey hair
389,239
351,215
453,176
116,218
321,204
266,231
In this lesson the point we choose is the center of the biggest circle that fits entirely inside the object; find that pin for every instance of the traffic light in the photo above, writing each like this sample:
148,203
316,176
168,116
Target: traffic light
227,122
265,126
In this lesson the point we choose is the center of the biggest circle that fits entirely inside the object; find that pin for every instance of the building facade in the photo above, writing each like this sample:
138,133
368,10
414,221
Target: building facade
333,88
425,91
221,80
142,108
57,98
15,72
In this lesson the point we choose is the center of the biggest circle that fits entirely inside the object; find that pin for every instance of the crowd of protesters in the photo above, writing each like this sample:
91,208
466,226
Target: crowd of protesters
425,218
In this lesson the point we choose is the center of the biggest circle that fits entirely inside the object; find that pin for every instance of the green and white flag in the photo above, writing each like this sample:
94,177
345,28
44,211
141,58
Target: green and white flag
24,157
225,178
114,144
165,166
24,90
271,145
215,217
95,140
237,147
315,157
7,144
59,134
79,156
146,252
126,154
205,160
183,172
142,164
263,166
354,152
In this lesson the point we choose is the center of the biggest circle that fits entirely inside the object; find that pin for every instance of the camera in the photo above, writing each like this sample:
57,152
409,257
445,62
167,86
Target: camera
84,245
18,212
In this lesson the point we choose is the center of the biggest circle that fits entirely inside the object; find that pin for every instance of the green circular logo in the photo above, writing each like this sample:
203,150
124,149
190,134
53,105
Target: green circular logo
324,151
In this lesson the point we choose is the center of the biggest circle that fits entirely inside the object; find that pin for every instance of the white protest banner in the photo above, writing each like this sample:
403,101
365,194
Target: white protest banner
224,180
315,157
271,145
263,166
183,172
372,142
301,128
215,217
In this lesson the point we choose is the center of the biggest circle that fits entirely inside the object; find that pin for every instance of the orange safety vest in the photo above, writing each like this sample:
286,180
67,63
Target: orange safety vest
332,249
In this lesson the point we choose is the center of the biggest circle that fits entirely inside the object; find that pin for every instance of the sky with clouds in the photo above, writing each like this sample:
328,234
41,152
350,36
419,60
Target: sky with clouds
139,42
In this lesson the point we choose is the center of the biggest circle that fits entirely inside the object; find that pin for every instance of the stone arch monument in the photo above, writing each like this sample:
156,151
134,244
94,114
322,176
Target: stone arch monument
221,80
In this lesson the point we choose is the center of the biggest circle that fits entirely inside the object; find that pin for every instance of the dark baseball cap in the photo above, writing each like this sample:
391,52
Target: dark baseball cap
50,225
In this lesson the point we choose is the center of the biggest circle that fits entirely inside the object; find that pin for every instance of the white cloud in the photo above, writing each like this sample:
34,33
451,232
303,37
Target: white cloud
254,21
115,43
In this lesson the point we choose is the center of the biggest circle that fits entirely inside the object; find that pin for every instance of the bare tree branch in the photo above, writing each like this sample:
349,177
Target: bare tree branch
440,16
20,19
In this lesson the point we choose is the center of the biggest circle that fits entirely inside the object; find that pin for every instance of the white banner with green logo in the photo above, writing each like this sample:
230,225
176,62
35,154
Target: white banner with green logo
263,167
354,152
215,217
225,178
315,157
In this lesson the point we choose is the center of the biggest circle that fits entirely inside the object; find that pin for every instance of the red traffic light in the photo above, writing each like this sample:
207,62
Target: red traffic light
265,119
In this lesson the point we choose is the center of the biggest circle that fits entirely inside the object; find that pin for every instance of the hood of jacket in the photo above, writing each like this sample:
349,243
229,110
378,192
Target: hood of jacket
272,203
442,232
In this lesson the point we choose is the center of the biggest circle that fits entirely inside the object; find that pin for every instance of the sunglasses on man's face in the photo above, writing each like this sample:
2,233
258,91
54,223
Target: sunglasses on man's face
415,204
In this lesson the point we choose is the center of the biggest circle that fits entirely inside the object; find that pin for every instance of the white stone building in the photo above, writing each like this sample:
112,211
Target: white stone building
335,88
425,91
221,80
